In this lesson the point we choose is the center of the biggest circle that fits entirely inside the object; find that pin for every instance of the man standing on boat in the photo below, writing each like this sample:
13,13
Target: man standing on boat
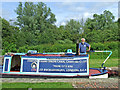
82,46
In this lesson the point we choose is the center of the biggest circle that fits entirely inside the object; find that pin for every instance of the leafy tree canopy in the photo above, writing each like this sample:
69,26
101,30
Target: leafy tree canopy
34,17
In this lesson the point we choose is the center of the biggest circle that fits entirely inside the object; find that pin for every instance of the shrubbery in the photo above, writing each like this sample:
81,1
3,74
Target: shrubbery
57,47
105,46
48,48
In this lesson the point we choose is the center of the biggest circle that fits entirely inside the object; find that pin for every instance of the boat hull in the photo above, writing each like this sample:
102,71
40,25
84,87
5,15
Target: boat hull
49,66
94,73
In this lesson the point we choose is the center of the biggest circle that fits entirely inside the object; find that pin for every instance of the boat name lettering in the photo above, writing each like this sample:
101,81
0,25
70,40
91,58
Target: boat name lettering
60,58
65,70
53,69
30,60
63,66
62,61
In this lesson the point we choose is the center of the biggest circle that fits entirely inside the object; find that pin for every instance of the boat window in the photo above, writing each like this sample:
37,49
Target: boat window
15,63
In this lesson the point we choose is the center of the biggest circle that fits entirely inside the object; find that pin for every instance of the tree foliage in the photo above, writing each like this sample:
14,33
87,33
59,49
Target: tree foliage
102,28
36,29
100,22
34,17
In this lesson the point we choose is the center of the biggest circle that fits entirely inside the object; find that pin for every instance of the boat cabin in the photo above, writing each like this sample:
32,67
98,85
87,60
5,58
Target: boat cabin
67,64
50,64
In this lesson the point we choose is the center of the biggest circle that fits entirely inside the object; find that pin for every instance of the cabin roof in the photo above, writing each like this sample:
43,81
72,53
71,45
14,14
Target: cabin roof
81,56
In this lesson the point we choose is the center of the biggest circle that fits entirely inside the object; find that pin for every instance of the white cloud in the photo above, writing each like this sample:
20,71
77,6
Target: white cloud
114,9
0,8
86,14
5,13
78,9
119,9
64,20
67,3
63,23
70,9
84,10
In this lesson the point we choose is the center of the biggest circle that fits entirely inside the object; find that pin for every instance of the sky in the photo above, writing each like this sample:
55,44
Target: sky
64,11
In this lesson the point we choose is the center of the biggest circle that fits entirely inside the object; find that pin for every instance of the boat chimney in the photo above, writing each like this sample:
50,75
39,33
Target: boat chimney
77,47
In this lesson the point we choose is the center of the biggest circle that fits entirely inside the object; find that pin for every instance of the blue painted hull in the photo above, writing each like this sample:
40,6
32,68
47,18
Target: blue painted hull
51,66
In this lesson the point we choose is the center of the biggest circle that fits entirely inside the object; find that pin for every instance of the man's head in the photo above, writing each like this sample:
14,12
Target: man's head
83,40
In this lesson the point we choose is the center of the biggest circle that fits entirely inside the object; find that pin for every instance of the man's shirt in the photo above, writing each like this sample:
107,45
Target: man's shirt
83,47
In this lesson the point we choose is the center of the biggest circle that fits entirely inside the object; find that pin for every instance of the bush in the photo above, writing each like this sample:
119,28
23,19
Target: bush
105,46
57,47
68,41
59,42
23,49
3,52
112,45
48,48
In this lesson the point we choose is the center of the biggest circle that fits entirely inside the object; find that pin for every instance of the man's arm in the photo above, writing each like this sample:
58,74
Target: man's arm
89,47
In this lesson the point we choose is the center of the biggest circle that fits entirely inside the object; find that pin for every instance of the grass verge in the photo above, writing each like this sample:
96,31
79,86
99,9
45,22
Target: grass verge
38,85
96,63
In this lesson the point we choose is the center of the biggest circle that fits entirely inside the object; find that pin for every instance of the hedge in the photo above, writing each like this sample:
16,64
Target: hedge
113,46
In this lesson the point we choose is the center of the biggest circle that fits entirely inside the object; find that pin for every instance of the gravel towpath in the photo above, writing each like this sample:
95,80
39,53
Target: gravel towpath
76,82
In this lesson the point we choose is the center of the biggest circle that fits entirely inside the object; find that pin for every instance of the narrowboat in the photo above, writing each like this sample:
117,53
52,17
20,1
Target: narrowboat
33,64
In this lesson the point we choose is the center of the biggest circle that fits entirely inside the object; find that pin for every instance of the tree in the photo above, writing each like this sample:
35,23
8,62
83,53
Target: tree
32,17
8,36
102,28
19,11
100,22
73,26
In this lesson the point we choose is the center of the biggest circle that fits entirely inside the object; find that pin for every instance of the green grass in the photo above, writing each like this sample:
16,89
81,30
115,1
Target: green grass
96,63
96,59
38,85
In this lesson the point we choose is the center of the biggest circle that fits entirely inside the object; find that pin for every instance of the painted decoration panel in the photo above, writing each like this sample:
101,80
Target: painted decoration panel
29,65
63,66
